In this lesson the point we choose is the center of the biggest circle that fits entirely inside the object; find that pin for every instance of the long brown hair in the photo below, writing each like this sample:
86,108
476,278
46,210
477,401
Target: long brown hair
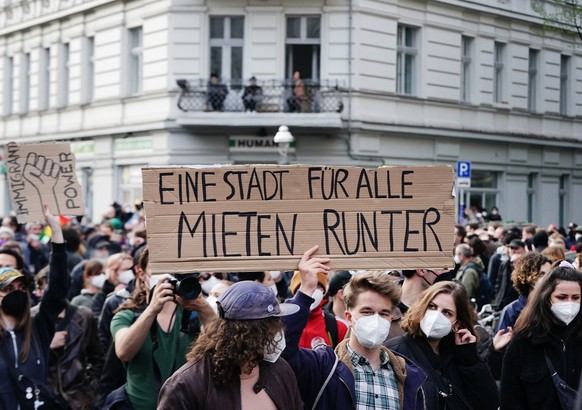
411,322
235,345
537,317
141,293
24,324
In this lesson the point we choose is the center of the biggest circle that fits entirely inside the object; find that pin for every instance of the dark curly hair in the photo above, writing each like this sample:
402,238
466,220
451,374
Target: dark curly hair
235,346
526,271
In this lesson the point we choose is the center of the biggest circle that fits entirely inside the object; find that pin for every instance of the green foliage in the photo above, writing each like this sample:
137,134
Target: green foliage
560,16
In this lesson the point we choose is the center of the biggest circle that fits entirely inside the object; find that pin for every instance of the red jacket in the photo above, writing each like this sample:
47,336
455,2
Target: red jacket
315,332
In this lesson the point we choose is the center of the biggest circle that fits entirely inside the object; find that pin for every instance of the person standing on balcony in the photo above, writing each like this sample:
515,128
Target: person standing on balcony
215,94
252,95
298,99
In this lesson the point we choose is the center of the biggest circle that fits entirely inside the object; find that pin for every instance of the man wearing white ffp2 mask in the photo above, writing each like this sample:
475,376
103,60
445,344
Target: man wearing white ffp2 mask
370,298
364,377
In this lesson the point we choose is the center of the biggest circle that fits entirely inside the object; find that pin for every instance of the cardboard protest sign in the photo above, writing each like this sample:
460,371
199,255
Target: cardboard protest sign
40,174
263,217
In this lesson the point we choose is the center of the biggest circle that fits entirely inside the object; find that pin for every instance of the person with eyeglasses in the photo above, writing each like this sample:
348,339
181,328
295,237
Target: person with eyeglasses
24,340
543,362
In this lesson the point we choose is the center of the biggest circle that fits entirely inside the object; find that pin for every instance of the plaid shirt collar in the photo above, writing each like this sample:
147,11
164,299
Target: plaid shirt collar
357,359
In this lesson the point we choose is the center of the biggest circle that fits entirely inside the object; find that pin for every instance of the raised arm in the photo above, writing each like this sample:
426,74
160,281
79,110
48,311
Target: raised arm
53,300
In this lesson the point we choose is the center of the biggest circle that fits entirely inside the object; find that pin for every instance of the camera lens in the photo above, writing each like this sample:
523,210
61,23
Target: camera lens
188,288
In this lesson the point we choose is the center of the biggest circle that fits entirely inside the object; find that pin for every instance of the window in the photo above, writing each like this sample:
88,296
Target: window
466,60
130,183
532,80
24,82
88,69
564,83
498,67
63,90
302,46
45,78
531,195
134,72
484,189
406,60
563,199
226,48
8,84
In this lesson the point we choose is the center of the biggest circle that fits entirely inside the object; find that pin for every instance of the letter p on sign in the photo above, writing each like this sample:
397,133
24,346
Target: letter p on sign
463,169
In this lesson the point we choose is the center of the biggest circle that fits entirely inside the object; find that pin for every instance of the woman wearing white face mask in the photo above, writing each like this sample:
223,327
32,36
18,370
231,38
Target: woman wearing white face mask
93,280
441,340
546,345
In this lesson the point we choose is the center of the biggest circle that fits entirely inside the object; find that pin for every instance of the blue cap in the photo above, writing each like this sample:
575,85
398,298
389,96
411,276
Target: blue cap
250,300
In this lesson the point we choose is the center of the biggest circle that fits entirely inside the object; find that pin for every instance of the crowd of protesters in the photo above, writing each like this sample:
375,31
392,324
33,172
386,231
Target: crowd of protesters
84,324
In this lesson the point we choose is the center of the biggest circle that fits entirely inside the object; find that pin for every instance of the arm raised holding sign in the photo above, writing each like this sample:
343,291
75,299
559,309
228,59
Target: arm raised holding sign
43,174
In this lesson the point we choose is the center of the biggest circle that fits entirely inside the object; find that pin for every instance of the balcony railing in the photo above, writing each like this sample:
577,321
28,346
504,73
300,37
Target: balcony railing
271,96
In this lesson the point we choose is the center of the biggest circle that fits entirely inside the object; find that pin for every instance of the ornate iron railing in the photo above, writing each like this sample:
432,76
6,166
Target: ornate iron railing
268,96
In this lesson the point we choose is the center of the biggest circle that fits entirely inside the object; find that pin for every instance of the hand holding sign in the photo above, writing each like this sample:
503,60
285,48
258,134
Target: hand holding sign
309,267
43,174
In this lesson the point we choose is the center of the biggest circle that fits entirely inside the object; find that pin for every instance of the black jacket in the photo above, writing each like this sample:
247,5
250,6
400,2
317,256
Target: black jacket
74,369
504,291
43,330
525,378
459,366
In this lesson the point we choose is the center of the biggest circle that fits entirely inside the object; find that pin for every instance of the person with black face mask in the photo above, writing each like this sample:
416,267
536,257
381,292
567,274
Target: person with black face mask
25,341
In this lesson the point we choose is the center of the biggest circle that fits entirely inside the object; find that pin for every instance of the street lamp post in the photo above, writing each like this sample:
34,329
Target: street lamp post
283,138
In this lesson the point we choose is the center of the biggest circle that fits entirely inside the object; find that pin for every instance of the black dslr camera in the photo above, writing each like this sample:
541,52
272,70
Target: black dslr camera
187,287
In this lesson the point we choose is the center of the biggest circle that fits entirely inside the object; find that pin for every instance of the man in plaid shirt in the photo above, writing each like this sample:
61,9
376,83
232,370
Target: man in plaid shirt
368,376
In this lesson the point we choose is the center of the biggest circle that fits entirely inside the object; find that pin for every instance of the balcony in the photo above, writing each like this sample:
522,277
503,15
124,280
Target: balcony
269,104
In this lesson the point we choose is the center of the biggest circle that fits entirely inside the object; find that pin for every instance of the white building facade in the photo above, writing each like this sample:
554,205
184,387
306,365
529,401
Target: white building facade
387,82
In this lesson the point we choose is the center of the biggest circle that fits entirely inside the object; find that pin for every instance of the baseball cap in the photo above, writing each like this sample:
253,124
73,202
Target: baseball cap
338,281
250,300
9,275
516,243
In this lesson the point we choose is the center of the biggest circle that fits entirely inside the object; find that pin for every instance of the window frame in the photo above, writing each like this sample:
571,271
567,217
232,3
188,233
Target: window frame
565,63
134,61
226,44
498,71
403,51
532,79
466,68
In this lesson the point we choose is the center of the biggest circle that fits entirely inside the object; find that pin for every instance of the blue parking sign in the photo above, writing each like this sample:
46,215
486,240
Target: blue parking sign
463,169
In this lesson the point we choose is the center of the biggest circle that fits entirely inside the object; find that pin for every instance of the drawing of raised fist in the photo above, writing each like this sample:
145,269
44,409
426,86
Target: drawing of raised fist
43,173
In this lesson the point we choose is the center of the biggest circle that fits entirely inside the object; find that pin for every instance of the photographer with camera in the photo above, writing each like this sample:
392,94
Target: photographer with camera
152,331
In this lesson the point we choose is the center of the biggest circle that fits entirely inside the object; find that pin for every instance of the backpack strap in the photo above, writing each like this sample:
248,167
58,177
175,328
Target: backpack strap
325,383
331,327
